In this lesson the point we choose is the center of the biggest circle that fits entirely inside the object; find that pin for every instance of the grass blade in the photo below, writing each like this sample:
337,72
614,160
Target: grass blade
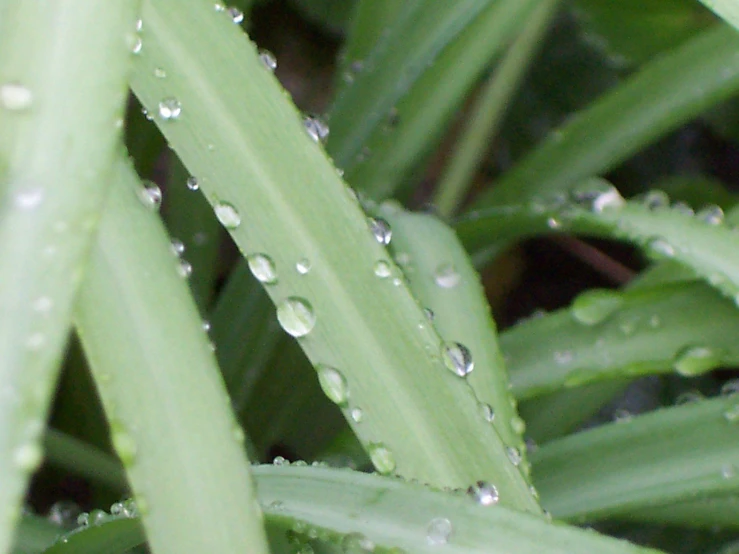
728,10
115,536
660,97
393,513
345,317
160,386
655,459
63,69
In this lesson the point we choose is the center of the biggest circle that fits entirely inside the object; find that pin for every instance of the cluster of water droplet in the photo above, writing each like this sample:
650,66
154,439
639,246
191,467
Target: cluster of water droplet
68,516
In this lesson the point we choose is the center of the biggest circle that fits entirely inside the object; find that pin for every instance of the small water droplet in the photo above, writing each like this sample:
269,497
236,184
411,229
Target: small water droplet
622,415
356,543
457,358
178,247
227,214
15,97
97,517
595,306
303,266
688,397
484,493
170,108
64,513
263,268
83,520
357,415
487,412
712,215
660,247
655,200
139,25
237,16
193,183
382,458
316,128
439,531
562,357
159,73
296,316
730,387
150,195
184,269
732,414
382,269
694,360
28,456
280,461
429,313
130,508
728,471
553,223
655,321
683,208
116,508
333,384
381,230
514,455
135,44
446,276
597,196
518,425
268,59
218,7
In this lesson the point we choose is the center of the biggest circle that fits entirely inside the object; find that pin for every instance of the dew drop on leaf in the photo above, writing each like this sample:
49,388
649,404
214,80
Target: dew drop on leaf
15,97
357,415
439,531
296,316
660,247
484,493
333,384
356,543
732,414
381,230
382,458
655,200
594,306
446,276
150,195
263,268
514,455
695,360
712,215
170,108
178,247
184,269
227,214
487,412
237,16
382,269
193,183
64,513
268,60
316,128
160,73
303,266
457,358
730,387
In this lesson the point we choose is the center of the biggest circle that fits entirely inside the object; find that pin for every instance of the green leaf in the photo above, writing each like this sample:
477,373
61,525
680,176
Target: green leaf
114,536
161,388
656,459
345,317
725,9
397,514
657,99
58,130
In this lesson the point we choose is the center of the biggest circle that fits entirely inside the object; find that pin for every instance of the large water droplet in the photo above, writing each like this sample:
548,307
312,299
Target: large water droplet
381,230
446,276
598,196
595,306
694,360
712,215
15,97
316,128
268,59
263,268
333,384
655,200
439,531
193,183
170,108
382,458
227,215
382,269
296,316
27,457
237,16
150,195
660,247
457,358
484,493
303,266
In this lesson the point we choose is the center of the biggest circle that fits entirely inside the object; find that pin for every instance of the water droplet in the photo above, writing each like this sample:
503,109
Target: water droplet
487,412
227,215
159,73
333,384
514,455
263,268
236,15
170,108
730,387
206,326
518,425
382,269
622,415
694,360
655,200
732,414
296,316
357,415
562,357
150,195
15,97
655,321
728,471
688,397
268,59
29,199
439,531
712,215
381,230
660,247
457,358
446,276
382,458
139,25
597,196
193,183
218,7
553,223
594,306
83,520
356,543
130,508
178,247
531,445
316,128
116,508
429,313
124,444
683,208
97,517
184,269
135,44
64,513
28,456
303,266
484,493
